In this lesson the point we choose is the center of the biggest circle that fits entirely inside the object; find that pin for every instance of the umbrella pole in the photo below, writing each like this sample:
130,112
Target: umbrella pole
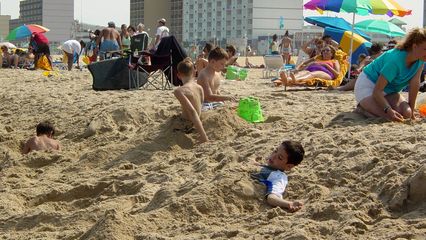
352,43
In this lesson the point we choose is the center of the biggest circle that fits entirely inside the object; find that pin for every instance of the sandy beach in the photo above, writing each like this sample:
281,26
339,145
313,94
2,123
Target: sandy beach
129,171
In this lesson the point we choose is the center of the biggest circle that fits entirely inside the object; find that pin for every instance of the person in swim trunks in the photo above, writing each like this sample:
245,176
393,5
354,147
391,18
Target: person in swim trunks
325,68
109,40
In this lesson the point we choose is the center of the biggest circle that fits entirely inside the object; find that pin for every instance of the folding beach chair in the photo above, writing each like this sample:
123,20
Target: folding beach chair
157,70
162,69
273,65
139,42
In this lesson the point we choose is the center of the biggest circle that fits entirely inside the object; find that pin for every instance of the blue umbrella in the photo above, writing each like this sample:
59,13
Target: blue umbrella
334,22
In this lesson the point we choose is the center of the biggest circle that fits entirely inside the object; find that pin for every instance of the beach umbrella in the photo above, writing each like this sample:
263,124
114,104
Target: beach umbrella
25,31
360,45
380,26
335,22
359,7
7,44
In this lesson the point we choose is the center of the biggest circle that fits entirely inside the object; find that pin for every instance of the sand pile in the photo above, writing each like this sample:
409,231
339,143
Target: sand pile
131,168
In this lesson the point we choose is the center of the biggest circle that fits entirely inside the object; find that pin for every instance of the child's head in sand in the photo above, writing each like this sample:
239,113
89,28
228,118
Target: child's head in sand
185,70
287,155
45,128
217,59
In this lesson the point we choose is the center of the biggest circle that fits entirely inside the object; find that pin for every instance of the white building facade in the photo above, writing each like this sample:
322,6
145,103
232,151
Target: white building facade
229,19
56,15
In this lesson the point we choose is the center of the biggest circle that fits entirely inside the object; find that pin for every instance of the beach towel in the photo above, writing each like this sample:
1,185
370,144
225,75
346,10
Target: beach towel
43,63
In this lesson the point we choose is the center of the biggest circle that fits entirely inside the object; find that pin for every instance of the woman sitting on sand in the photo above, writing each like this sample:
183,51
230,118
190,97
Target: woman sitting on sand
378,87
324,67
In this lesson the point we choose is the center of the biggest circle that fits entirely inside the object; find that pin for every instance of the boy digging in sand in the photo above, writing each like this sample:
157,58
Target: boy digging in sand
288,155
44,139
209,78
190,96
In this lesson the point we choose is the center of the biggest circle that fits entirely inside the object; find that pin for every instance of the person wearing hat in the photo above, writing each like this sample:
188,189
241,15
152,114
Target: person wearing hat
162,31
109,40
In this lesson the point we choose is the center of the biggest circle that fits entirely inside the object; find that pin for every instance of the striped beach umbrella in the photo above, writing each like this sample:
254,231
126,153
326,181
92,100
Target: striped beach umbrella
25,31
359,7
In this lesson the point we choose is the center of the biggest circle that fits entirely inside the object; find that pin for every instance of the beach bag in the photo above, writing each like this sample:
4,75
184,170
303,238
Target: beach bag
236,73
43,63
250,110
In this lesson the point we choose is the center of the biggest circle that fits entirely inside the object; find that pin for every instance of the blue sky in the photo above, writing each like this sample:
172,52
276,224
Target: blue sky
99,12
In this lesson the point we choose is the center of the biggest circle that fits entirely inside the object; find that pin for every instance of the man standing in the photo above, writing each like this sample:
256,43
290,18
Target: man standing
162,31
109,40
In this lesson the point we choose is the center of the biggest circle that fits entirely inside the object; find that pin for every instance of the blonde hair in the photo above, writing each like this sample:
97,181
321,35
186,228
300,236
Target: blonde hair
186,67
415,36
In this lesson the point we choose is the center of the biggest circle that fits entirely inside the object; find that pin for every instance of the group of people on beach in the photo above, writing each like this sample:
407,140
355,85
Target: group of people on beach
382,77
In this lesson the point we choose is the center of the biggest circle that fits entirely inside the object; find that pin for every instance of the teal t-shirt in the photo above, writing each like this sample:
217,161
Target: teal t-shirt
392,66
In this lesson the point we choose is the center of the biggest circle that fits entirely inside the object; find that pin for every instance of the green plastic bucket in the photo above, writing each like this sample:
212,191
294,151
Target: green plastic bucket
243,74
250,110
232,72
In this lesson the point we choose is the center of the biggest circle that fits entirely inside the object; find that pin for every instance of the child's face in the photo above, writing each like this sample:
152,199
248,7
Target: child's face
218,65
279,159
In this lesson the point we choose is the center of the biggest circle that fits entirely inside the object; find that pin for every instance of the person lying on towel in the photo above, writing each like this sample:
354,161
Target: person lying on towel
326,67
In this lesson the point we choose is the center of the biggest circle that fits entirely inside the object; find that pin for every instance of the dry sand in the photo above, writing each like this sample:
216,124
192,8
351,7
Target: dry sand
125,173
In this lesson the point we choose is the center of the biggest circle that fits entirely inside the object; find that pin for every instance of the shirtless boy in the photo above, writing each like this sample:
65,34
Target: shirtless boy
209,78
190,96
109,40
44,139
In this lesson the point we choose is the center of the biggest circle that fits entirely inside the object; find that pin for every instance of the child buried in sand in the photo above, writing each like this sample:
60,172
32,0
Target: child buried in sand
190,96
43,141
288,155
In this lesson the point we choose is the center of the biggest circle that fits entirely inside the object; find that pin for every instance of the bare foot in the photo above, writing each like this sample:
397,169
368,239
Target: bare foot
293,78
284,78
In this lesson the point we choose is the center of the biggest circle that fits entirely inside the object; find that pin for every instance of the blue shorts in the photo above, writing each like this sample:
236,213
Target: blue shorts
109,45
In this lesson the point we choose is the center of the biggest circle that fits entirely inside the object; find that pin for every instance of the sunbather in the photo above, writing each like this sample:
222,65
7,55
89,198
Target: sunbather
326,68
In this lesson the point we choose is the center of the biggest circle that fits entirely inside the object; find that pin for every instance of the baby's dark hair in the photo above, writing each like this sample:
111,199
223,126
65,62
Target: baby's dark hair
294,151
218,54
186,67
45,128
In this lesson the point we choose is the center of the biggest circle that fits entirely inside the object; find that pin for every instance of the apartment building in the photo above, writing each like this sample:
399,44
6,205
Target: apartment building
226,19
220,20
57,15
4,26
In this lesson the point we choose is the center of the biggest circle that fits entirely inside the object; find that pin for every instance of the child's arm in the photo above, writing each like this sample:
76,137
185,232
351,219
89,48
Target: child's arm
192,114
276,201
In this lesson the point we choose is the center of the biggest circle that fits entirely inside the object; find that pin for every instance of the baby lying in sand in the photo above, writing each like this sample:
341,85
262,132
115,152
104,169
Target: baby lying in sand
44,139
288,155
